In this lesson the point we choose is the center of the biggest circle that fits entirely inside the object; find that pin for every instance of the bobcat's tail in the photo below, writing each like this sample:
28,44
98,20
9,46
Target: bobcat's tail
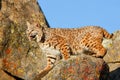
106,34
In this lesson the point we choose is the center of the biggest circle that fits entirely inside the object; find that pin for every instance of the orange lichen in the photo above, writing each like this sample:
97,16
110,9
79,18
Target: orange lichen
19,49
87,70
13,65
71,70
84,77
8,51
6,63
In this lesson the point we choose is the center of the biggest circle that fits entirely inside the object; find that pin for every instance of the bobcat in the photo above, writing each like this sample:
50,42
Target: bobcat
56,41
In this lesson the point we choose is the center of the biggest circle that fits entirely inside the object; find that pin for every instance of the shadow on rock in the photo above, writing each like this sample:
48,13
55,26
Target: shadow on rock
105,73
115,75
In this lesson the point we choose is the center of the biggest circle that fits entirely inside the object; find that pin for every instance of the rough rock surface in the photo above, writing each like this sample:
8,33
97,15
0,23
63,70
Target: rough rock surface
20,57
5,76
113,57
80,67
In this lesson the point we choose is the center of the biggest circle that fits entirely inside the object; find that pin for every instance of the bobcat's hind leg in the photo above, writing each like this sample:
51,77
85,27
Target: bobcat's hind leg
94,45
99,50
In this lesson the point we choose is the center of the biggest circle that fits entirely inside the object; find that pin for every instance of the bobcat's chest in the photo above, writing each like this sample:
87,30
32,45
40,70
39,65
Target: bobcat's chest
49,50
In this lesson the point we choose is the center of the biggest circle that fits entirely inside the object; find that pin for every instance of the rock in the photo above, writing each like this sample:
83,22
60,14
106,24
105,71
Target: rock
20,57
1,40
112,55
5,76
115,74
81,67
112,58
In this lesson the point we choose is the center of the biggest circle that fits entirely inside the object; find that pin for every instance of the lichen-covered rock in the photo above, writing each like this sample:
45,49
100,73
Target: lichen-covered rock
1,39
113,57
4,76
81,67
20,57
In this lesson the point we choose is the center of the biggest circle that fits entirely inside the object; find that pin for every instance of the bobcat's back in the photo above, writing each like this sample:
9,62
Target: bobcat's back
80,38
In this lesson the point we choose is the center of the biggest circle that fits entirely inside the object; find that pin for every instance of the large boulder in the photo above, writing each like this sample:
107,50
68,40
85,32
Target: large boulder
19,57
112,57
80,67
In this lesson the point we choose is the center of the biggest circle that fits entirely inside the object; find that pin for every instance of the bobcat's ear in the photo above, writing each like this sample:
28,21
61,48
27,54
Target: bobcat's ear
28,25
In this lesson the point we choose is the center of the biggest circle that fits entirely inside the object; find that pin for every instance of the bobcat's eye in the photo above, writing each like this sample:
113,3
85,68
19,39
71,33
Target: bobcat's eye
33,35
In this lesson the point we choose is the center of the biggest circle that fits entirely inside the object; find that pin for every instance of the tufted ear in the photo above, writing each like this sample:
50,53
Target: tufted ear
40,36
28,24
28,30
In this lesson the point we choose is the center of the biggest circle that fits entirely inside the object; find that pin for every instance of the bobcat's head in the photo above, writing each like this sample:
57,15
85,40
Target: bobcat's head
34,32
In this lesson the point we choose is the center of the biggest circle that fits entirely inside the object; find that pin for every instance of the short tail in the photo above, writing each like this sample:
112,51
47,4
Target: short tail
107,35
